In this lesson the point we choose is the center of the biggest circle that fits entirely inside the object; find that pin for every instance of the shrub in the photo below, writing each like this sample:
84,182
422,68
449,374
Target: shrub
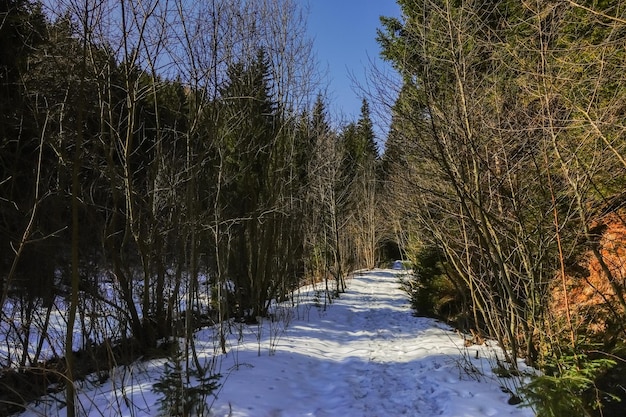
569,390
431,291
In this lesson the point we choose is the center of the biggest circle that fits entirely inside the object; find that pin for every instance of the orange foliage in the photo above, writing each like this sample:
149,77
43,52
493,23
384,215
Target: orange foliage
591,296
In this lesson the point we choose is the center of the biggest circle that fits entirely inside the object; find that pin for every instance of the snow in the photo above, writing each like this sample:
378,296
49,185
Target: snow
365,354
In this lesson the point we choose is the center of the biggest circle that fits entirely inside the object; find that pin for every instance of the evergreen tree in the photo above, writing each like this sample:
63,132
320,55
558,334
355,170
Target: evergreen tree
366,131
359,145
358,183
256,178
22,31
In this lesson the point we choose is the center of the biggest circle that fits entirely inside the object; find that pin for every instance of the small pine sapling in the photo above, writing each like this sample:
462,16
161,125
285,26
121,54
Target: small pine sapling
178,396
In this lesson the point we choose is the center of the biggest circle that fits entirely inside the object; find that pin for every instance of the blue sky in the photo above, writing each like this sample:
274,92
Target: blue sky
344,33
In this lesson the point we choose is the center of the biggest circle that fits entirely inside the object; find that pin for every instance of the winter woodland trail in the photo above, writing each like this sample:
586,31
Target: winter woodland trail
365,355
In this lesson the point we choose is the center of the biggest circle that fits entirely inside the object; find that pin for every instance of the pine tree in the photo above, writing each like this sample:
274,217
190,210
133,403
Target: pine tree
358,183
184,392
256,179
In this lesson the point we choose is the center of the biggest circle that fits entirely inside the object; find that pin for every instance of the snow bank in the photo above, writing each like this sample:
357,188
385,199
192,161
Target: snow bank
364,355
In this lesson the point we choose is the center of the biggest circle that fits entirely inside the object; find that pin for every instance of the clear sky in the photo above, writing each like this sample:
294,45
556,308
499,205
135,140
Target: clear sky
344,32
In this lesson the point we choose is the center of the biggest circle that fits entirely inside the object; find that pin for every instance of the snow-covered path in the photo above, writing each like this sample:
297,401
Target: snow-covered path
366,355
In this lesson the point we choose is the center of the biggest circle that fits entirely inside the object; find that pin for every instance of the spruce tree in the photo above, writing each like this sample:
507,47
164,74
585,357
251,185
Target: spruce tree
253,145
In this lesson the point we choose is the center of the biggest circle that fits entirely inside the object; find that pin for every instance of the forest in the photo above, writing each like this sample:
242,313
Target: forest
506,165
169,165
